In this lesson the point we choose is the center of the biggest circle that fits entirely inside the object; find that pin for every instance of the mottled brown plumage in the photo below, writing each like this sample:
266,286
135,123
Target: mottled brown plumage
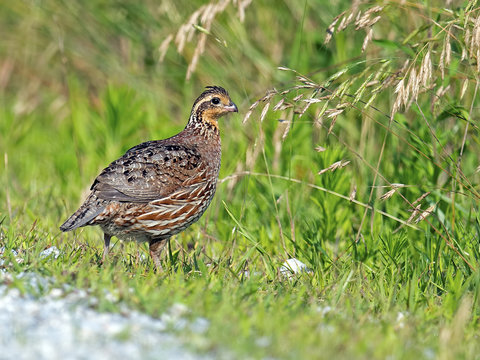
159,188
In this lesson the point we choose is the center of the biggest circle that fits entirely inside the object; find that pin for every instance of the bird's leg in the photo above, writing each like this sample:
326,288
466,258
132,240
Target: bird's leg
156,248
106,245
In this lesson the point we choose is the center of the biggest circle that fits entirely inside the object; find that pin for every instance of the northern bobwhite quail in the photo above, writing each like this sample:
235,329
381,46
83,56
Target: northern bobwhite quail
159,188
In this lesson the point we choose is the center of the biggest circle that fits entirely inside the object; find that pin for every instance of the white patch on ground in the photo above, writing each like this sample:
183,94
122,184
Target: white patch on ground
324,310
292,267
62,325
400,321
14,254
51,251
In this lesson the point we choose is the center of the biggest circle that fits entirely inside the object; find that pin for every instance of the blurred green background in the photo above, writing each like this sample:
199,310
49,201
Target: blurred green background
82,82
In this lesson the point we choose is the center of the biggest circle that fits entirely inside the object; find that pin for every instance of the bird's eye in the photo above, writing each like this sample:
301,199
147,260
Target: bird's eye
215,101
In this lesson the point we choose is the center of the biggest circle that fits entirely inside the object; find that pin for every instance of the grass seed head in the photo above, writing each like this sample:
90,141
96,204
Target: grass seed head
424,214
388,194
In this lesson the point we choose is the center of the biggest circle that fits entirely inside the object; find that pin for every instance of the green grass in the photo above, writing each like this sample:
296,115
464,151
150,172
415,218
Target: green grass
80,84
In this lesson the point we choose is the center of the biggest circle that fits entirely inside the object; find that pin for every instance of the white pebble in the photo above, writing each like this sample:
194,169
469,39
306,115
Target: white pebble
56,293
293,266
51,251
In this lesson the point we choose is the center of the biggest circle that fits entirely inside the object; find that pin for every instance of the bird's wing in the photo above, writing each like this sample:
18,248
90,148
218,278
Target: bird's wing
149,171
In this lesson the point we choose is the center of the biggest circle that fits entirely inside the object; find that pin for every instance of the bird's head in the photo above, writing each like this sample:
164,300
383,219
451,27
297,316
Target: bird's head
213,103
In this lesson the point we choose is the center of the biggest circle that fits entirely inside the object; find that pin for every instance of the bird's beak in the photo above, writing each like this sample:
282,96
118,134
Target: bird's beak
231,107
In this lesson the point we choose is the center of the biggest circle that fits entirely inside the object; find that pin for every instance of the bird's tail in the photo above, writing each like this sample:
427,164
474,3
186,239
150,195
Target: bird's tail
84,215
